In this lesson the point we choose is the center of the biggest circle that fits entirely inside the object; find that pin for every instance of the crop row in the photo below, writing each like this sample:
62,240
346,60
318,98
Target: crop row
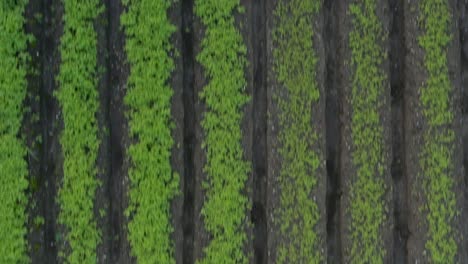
295,66
13,167
78,97
367,208
153,184
223,57
437,151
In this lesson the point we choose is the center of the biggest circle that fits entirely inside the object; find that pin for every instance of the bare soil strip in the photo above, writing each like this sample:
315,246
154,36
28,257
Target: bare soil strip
333,132
397,73
259,118
117,71
178,112
189,140
32,129
50,168
104,165
463,31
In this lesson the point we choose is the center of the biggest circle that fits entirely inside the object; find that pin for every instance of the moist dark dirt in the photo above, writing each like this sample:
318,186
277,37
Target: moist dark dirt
259,121
32,131
42,125
178,112
102,198
117,71
333,133
397,72
189,99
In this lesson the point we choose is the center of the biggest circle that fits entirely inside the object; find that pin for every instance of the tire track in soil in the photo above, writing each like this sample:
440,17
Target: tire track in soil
118,71
31,129
463,31
189,138
259,117
333,134
397,70
50,168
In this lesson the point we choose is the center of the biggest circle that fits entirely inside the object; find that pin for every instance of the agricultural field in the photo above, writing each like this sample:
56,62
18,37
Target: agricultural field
234,131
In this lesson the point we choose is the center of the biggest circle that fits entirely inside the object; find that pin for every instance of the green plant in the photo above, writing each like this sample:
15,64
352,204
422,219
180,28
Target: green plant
13,167
223,57
78,98
367,207
153,184
295,66
437,151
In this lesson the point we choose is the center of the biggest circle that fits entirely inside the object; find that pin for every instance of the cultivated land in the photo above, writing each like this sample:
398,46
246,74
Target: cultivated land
233,131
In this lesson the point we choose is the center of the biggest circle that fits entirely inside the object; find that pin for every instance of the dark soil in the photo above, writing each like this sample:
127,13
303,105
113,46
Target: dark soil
178,159
333,133
102,198
44,159
259,117
397,72
189,99
117,72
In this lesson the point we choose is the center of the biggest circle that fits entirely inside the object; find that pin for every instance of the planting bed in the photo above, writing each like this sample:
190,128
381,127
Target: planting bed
234,131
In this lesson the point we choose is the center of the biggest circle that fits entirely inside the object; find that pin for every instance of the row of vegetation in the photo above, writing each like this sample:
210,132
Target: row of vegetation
438,149
367,204
153,184
223,57
78,97
13,167
295,66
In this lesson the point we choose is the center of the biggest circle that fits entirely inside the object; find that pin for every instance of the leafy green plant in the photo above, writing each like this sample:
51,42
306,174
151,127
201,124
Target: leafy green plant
295,66
437,151
223,57
153,184
13,167
367,205
78,98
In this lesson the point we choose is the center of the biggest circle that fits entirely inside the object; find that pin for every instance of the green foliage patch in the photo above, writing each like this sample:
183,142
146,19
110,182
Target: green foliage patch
153,184
223,57
295,66
437,151
13,166
367,206
78,98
